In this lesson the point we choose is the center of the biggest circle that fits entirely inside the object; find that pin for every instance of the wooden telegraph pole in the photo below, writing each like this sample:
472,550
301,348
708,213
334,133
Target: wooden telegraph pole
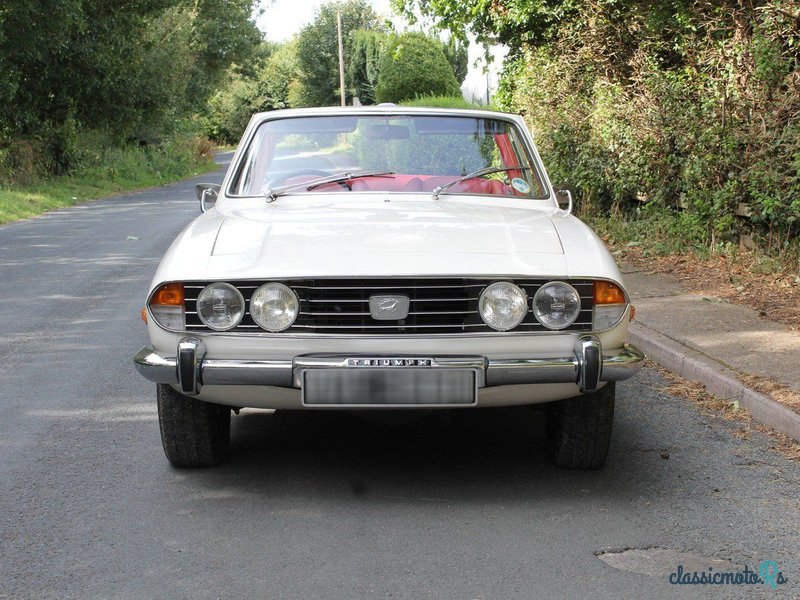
341,55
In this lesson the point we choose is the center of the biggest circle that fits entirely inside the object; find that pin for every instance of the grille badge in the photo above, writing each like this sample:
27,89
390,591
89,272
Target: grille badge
389,308
389,362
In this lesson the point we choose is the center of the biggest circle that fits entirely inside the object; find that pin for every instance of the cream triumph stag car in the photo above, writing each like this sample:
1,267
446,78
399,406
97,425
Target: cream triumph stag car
386,257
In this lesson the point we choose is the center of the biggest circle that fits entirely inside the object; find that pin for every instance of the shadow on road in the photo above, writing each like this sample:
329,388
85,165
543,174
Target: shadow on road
492,455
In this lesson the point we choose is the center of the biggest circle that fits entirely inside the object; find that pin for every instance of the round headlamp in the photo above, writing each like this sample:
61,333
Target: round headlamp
274,307
220,306
556,305
503,305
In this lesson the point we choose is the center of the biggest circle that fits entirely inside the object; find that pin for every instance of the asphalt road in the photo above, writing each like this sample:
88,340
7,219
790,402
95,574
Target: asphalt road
318,505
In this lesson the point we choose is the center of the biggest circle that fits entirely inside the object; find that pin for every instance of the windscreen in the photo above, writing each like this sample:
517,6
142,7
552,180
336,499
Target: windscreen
403,153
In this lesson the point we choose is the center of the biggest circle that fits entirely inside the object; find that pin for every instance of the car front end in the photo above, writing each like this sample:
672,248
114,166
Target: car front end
424,282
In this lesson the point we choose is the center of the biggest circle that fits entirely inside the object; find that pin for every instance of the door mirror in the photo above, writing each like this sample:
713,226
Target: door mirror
207,193
564,199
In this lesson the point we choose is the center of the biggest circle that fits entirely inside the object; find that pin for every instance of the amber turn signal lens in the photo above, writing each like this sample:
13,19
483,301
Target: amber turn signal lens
606,292
144,315
169,294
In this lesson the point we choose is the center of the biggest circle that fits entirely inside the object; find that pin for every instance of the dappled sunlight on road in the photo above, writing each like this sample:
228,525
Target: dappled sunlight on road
119,414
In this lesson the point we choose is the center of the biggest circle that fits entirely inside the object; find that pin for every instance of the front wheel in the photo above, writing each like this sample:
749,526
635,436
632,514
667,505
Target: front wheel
194,433
579,429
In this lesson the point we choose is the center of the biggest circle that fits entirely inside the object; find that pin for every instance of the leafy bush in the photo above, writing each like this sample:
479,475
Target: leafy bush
685,105
99,154
414,65
21,162
693,111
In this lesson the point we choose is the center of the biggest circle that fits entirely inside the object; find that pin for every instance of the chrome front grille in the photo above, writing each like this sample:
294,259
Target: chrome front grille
437,306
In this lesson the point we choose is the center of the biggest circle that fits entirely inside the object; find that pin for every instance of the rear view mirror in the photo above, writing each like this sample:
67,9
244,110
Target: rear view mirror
387,132
207,193
564,199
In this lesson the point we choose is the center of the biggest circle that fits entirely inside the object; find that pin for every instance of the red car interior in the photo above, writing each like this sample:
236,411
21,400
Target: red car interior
419,183
427,183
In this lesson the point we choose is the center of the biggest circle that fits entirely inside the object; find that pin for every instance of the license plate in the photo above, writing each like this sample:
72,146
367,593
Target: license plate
373,387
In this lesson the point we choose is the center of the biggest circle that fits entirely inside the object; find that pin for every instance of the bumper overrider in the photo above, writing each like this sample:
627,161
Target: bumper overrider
190,369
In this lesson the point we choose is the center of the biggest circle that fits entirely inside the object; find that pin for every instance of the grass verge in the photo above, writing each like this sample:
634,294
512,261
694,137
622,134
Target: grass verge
670,242
111,171
654,231
444,102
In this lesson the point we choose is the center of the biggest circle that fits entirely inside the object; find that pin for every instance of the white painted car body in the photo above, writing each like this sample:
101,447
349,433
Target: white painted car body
381,234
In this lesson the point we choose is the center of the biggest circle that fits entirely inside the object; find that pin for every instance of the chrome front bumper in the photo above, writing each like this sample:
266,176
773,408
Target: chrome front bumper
190,369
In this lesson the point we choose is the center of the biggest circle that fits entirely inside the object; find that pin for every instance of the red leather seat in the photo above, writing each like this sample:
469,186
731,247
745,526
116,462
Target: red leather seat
423,183
413,185
362,185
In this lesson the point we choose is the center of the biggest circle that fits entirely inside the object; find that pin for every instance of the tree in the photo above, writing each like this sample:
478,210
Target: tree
130,68
457,53
265,85
511,22
223,34
318,53
277,77
364,64
415,65
70,57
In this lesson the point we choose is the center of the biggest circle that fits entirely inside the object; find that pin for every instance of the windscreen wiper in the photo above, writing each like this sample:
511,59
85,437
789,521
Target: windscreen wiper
348,176
271,195
479,173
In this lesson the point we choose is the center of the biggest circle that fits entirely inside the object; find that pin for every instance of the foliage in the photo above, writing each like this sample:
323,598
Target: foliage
510,22
414,65
267,84
693,105
223,34
363,67
457,53
365,61
132,68
654,229
104,167
318,49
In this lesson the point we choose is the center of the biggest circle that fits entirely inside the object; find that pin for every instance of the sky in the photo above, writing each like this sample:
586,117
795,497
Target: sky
283,18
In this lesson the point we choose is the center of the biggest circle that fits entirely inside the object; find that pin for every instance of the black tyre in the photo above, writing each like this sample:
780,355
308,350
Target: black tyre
194,433
579,429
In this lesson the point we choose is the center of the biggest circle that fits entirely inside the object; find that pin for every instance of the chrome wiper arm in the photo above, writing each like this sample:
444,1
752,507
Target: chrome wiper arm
479,173
347,177
271,195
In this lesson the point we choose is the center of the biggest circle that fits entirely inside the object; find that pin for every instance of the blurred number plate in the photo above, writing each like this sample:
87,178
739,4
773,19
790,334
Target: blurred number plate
388,387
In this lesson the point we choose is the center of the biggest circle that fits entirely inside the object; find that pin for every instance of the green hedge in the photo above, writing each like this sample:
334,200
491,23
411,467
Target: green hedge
687,109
